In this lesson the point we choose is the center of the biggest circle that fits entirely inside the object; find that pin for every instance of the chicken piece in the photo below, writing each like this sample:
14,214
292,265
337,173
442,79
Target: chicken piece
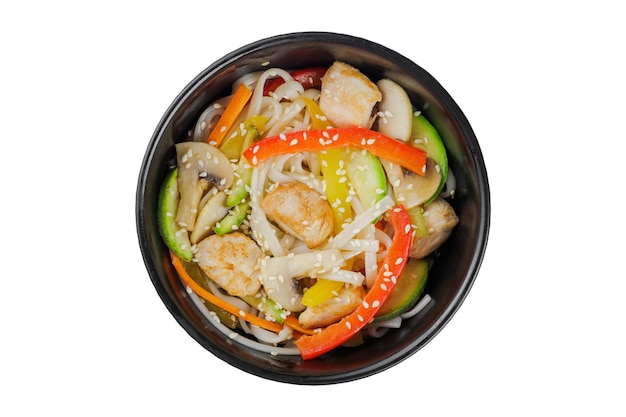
348,97
232,261
439,220
301,212
334,309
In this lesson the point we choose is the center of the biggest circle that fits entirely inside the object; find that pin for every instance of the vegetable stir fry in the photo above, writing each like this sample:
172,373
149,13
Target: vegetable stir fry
303,210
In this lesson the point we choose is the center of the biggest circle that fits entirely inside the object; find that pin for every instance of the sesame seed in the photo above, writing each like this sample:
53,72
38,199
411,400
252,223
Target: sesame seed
365,304
294,142
348,325
376,303
399,260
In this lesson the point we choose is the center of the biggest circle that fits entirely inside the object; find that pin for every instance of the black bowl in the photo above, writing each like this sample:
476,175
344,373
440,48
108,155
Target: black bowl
455,269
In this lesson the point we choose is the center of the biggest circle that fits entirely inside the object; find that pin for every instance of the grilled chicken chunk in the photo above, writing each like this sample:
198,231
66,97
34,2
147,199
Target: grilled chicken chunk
348,97
232,261
301,212
439,220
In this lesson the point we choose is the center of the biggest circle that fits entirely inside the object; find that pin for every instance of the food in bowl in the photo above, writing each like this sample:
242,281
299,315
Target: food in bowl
304,210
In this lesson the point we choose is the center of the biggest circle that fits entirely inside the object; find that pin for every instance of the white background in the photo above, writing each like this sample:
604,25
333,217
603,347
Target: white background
84,84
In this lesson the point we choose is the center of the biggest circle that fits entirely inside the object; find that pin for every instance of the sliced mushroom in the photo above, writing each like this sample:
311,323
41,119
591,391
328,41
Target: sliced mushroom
211,212
411,189
395,111
200,166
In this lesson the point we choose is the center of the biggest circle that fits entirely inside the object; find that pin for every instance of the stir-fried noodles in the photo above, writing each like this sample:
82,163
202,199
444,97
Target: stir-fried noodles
304,209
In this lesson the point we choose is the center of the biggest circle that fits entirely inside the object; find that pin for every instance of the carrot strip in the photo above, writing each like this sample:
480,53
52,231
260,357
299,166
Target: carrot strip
231,112
291,321
252,319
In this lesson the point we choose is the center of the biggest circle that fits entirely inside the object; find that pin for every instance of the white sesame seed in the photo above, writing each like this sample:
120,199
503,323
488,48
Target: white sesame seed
376,303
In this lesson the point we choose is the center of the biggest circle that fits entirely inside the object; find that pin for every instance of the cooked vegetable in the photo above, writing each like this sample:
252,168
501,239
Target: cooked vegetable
230,114
235,217
366,175
243,173
210,214
407,291
233,144
395,111
425,136
321,291
411,158
416,190
200,167
175,238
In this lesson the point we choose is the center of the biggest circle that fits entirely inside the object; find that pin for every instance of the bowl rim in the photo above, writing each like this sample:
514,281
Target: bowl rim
448,103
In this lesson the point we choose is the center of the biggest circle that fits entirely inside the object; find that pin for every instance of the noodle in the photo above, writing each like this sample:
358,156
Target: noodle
350,256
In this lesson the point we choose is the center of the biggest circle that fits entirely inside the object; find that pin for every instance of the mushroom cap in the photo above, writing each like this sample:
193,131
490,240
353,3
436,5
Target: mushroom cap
200,166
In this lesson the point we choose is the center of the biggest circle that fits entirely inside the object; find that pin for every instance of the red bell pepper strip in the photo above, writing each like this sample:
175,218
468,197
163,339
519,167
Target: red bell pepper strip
393,150
309,78
338,333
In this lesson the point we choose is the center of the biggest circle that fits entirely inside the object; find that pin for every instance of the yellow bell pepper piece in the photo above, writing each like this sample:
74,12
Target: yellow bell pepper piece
322,290
333,170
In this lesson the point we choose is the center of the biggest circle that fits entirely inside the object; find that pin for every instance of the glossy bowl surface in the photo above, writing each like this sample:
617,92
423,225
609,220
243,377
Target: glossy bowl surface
455,269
